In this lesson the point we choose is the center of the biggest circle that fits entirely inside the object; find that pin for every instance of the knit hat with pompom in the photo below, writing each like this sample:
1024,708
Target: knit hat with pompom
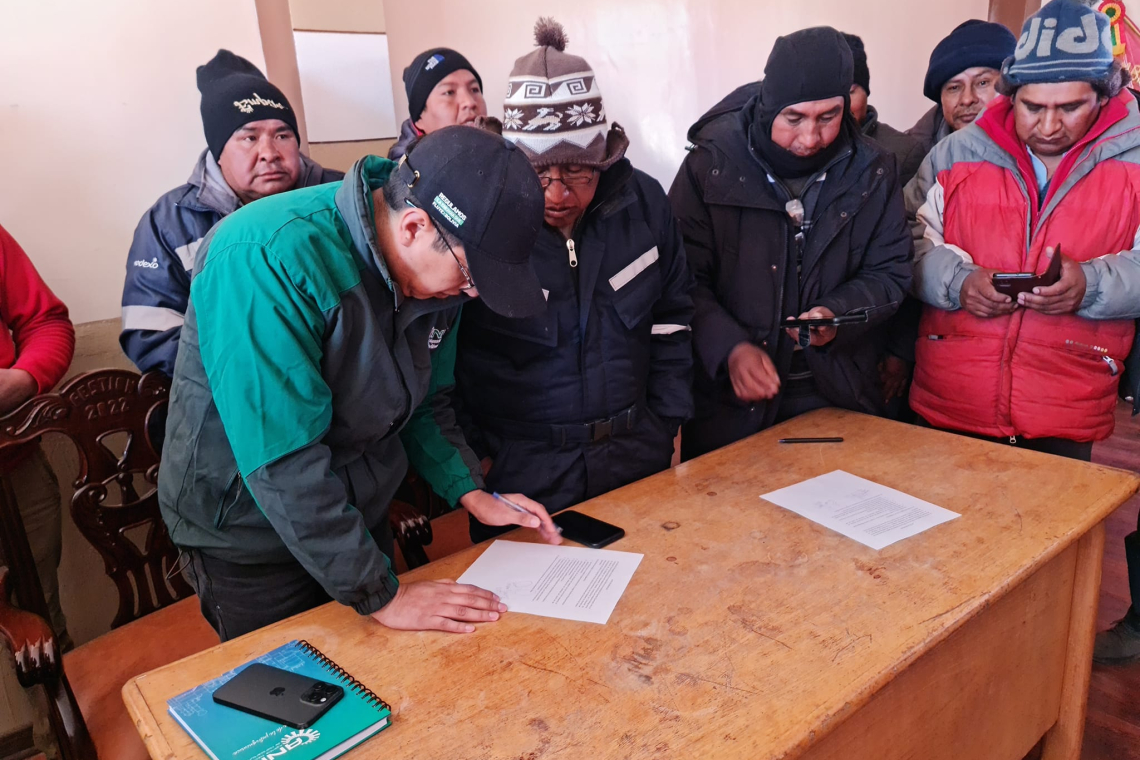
554,110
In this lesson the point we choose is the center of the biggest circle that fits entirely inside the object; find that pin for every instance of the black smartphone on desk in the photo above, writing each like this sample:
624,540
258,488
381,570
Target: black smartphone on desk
278,695
586,530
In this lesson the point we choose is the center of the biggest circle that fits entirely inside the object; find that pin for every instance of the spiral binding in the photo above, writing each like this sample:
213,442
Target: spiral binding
356,686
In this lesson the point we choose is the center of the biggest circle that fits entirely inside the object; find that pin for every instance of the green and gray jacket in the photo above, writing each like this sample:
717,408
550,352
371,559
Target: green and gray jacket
303,386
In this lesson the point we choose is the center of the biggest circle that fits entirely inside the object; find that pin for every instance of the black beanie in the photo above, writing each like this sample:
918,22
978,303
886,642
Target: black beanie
234,93
426,71
859,59
811,64
972,44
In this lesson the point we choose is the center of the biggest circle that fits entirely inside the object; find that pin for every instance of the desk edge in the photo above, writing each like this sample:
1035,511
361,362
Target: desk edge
145,722
975,606
149,728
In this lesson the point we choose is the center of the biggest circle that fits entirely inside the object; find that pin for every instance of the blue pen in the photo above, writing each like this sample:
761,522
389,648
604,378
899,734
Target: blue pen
517,508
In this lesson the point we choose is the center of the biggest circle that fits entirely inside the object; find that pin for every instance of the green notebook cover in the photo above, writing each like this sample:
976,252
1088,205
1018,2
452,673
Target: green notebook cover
228,734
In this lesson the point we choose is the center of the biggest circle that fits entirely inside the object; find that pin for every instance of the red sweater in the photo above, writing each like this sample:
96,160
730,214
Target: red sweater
37,335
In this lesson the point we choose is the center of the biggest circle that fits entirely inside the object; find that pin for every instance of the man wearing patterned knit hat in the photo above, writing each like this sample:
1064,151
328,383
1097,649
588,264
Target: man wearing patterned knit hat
587,396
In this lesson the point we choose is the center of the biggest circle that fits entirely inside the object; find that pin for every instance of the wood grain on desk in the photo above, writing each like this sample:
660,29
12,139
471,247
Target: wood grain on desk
747,631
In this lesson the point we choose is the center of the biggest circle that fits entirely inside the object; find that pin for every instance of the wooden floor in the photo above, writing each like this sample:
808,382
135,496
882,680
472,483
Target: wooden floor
1113,728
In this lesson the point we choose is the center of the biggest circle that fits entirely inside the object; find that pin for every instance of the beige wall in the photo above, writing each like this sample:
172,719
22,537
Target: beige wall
338,15
342,155
661,63
276,27
98,117
342,16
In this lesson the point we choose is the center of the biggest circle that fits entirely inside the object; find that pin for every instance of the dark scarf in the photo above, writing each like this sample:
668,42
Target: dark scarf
782,162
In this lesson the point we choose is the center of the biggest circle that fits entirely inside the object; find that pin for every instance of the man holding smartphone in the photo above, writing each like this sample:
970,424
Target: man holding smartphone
1052,165
788,211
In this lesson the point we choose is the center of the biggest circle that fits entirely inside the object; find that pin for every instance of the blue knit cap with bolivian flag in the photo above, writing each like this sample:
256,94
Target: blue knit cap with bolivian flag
1065,41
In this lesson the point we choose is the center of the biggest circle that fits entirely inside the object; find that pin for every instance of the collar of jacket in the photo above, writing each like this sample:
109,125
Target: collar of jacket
942,128
409,134
1116,130
212,193
931,128
614,191
613,194
870,124
738,177
355,205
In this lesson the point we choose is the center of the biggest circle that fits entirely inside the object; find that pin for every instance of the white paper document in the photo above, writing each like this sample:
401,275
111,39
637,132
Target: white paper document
871,514
566,582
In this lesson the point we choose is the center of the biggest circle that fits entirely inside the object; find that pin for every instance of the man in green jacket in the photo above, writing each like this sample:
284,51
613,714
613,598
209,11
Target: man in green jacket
315,362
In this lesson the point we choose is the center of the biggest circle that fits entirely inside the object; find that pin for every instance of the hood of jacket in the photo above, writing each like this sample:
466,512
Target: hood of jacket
212,193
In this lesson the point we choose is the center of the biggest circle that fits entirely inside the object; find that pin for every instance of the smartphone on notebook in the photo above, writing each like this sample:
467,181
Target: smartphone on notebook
586,530
279,695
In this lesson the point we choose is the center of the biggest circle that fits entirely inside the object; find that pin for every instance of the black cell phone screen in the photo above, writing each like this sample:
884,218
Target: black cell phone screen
279,695
586,530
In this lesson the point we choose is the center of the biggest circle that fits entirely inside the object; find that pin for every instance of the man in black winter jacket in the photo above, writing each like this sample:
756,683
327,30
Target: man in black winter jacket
587,396
787,211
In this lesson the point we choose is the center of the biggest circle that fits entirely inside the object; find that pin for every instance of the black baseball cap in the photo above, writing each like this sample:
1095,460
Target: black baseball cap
483,190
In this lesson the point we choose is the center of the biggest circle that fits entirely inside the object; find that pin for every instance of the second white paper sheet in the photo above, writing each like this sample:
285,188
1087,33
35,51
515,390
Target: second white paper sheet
861,509
567,582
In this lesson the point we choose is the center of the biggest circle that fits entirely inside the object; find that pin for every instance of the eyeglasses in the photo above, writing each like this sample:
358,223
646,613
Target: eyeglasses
462,269
579,178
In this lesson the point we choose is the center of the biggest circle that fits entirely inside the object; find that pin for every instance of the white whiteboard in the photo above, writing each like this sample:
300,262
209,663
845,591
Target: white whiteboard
346,84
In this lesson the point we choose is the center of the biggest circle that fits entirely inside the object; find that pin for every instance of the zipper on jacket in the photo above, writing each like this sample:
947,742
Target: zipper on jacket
1101,351
572,252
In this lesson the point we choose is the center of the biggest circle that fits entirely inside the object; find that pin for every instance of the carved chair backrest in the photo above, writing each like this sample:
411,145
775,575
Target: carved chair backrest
109,415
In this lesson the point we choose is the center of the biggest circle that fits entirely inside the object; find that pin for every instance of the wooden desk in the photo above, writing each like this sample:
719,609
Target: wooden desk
750,632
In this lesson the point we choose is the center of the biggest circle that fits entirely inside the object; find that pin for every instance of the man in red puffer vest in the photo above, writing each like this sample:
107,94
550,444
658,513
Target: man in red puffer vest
1050,168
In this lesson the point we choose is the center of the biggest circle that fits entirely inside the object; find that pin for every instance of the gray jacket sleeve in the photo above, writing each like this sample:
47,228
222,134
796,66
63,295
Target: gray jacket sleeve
1113,285
939,268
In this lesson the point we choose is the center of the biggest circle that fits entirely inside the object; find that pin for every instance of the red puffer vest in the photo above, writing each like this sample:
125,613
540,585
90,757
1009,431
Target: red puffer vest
1029,374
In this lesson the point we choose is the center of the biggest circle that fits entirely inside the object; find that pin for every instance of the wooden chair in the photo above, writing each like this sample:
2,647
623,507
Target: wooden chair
410,514
157,620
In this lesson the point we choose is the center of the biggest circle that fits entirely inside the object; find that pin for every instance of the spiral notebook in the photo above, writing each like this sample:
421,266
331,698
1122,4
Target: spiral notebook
227,734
